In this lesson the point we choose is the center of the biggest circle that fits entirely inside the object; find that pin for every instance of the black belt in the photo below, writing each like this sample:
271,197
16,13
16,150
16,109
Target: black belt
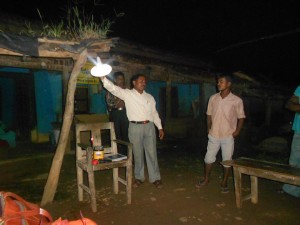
119,109
140,122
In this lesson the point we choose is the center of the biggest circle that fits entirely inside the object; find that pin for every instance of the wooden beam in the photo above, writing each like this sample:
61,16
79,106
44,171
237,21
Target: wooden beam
65,49
36,63
53,50
4,51
169,99
57,41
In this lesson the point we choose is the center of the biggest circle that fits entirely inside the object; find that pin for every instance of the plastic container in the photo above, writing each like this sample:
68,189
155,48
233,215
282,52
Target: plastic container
98,153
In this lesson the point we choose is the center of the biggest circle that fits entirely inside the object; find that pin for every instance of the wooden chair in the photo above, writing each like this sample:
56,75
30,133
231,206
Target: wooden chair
84,156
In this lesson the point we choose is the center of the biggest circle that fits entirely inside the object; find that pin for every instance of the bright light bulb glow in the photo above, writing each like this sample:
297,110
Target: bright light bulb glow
100,70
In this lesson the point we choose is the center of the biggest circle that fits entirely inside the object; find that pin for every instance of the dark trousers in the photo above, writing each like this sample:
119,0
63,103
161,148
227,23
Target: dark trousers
121,124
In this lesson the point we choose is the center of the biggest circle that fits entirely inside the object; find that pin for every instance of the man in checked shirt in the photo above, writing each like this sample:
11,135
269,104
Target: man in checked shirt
225,119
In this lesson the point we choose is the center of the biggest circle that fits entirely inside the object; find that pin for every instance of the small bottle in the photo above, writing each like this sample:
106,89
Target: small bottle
98,153
92,141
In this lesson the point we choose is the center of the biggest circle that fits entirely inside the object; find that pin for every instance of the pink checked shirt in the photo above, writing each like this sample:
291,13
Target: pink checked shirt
225,113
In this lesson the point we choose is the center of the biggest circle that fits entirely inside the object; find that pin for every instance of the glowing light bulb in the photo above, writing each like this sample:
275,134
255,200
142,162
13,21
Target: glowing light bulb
100,70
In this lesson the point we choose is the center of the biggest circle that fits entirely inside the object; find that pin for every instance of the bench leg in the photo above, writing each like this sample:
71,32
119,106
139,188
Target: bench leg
238,187
254,189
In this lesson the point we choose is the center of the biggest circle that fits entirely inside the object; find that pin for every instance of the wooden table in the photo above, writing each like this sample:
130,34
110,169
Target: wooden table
257,168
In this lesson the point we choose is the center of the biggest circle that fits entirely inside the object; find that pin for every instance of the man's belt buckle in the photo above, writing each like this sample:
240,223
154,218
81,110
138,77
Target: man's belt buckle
140,122
119,109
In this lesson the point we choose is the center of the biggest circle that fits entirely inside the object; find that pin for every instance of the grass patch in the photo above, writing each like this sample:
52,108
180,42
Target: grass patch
76,25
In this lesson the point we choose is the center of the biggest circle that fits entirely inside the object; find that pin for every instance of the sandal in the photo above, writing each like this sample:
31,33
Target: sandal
158,184
201,184
137,183
224,190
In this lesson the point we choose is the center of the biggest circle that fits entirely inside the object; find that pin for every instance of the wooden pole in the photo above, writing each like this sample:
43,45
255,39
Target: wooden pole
202,110
169,99
268,113
65,79
52,181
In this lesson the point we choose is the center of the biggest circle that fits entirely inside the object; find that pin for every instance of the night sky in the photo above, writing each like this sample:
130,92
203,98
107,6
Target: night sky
259,37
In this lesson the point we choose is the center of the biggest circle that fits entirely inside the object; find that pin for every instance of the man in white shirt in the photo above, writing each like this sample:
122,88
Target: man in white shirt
142,114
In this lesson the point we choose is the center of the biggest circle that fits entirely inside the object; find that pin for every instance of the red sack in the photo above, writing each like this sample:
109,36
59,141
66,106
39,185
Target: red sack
83,221
14,210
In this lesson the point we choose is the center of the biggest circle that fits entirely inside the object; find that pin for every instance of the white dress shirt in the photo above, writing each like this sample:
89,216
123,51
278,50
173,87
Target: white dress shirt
140,107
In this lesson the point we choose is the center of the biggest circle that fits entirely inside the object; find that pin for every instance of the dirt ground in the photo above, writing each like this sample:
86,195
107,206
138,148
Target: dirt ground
24,171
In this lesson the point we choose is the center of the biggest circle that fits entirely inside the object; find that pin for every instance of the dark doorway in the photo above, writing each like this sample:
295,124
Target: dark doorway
81,100
25,106
163,102
23,109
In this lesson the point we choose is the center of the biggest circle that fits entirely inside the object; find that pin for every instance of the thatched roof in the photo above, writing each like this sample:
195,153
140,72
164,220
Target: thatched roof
54,54
11,44
58,55
44,53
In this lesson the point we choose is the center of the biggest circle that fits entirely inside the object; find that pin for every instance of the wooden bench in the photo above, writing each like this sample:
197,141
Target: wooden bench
263,169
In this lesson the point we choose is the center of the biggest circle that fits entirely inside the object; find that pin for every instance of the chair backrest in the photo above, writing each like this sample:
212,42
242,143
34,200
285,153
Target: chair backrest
103,134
